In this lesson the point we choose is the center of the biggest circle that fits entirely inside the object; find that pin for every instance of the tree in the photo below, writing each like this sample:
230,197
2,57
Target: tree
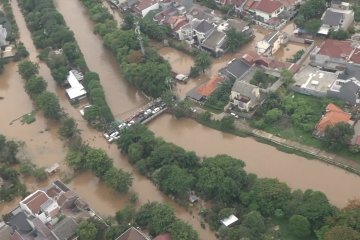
299,226
255,222
340,34
27,69
68,128
8,151
87,230
180,230
98,161
128,21
313,25
234,39
287,77
118,179
75,159
49,104
342,233
227,123
338,135
202,60
273,115
175,181
268,195
222,178
71,51
21,51
126,215
35,85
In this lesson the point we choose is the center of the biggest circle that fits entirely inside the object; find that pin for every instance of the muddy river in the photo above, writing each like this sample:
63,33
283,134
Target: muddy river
44,148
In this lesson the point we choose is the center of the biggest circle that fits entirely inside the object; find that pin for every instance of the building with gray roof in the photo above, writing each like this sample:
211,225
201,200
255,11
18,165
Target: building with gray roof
214,43
336,19
244,96
65,229
236,69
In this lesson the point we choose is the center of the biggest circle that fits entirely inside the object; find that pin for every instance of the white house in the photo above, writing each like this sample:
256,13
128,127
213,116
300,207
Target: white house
244,96
267,9
76,91
271,43
336,19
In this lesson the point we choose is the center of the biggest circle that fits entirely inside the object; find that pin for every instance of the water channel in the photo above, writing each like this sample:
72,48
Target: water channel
44,148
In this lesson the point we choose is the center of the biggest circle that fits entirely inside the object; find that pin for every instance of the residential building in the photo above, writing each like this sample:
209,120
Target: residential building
48,214
203,31
229,220
214,43
76,92
244,96
313,81
202,92
347,90
271,43
266,9
333,115
335,54
133,234
143,7
336,19
236,69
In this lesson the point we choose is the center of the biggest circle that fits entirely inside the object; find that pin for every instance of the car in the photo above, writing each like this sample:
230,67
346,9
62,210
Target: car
157,109
148,112
122,126
131,123
193,109
82,109
234,115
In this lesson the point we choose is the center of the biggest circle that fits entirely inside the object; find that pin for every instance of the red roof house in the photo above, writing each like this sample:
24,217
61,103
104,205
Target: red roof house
33,202
335,48
333,115
267,6
210,86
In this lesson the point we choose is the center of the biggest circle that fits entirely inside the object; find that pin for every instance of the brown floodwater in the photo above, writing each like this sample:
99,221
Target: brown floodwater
261,159
45,148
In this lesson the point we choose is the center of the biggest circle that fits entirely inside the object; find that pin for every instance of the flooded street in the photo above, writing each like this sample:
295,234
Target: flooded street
45,148
287,52
263,160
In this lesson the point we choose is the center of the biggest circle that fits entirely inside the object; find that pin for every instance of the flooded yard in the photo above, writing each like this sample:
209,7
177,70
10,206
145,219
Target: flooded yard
287,51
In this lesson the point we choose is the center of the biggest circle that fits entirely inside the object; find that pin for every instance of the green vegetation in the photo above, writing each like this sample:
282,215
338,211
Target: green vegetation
12,187
220,97
56,35
340,34
29,169
87,230
259,202
49,104
157,218
82,157
309,14
28,69
296,57
14,30
356,9
35,85
263,80
338,136
8,151
235,40
202,62
28,118
149,73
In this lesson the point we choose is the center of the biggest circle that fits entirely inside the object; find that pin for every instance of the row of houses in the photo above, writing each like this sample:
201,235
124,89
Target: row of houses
52,213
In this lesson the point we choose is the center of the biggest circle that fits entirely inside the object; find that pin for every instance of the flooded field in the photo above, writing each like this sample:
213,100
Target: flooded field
287,51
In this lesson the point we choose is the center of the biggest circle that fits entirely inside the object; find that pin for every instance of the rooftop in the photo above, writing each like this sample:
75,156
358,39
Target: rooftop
235,68
144,4
35,200
65,229
332,18
215,39
314,79
336,48
132,234
210,86
268,6
333,115
272,37
204,26
230,220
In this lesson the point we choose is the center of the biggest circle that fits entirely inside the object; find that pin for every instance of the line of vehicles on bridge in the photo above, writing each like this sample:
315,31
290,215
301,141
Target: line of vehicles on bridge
149,112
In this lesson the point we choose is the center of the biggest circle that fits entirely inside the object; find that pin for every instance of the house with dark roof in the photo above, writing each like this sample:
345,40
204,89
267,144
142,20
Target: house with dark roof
214,43
347,90
65,229
203,31
335,54
237,68
271,43
133,234
244,96
143,7
333,115
336,19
